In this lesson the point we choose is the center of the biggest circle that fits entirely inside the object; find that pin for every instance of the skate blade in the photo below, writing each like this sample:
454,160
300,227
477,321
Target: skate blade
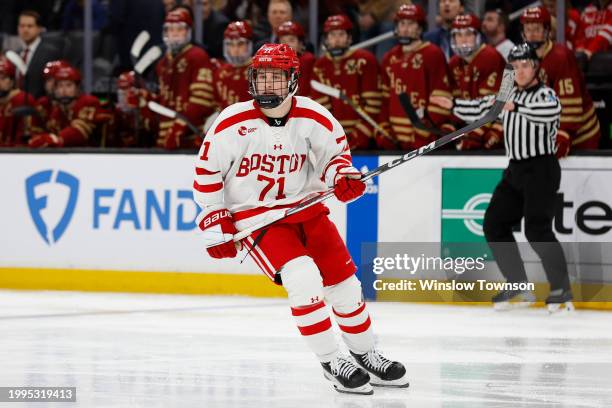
560,308
399,383
506,306
365,389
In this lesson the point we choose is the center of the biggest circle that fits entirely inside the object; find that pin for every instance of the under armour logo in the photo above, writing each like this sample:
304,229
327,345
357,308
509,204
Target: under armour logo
314,299
279,147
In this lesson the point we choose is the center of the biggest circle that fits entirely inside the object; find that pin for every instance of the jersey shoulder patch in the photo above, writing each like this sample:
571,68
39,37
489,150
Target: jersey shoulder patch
236,113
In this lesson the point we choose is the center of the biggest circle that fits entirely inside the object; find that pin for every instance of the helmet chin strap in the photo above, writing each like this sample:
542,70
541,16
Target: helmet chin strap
280,109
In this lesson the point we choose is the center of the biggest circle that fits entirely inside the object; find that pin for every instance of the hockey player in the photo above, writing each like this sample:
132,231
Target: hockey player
44,104
476,69
134,125
73,118
355,73
230,80
267,155
185,82
418,68
292,34
12,128
595,30
559,70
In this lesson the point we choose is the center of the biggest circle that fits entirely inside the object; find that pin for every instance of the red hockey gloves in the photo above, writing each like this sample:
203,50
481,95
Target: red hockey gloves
46,140
348,185
563,145
218,230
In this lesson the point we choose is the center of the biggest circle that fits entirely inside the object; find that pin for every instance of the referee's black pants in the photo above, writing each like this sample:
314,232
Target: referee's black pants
528,189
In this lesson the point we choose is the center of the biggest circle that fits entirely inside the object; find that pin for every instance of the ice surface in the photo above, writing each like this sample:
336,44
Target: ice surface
126,350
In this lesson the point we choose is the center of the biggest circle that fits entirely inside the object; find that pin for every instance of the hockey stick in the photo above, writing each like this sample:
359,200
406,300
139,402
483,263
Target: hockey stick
169,113
374,40
500,100
338,94
16,60
141,40
414,116
147,59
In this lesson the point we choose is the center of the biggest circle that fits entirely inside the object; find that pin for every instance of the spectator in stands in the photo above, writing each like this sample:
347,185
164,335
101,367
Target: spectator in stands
73,119
73,15
212,31
595,34
279,11
448,9
376,17
494,25
129,18
14,128
35,52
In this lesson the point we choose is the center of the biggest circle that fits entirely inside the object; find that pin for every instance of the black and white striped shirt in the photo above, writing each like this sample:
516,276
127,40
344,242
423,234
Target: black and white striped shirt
530,130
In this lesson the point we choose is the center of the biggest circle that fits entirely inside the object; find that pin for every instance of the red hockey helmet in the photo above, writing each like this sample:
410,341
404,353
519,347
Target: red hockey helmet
274,56
410,12
337,22
6,68
67,73
179,15
466,21
279,56
126,80
51,67
291,28
238,29
536,15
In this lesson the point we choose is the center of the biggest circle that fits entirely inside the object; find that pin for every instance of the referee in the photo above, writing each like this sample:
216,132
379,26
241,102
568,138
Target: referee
530,182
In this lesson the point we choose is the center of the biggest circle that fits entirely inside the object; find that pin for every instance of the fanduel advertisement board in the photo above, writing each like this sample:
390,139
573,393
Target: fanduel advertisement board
136,212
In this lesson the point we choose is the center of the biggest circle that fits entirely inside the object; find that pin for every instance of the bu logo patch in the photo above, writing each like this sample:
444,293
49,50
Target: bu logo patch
51,233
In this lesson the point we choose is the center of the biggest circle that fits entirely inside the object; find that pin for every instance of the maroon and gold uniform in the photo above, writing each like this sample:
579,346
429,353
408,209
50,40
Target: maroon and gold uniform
185,76
307,62
75,123
420,73
476,77
12,128
185,85
356,75
231,85
559,70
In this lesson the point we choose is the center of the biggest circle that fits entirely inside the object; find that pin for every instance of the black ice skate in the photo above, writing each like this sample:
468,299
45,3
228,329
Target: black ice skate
560,300
383,372
513,299
347,377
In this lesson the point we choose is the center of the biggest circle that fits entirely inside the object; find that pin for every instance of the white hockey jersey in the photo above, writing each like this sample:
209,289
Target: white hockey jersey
254,169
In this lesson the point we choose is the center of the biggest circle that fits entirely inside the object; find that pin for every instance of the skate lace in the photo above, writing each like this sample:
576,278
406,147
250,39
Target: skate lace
374,360
343,367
